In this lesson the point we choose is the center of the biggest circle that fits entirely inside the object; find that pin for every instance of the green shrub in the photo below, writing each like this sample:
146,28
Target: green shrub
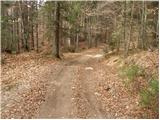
113,42
116,37
131,72
149,96
148,91
131,75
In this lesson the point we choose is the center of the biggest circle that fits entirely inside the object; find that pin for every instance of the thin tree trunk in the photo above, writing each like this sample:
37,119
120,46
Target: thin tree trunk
118,41
89,37
37,42
96,42
26,26
21,23
106,35
143,26
124,33
140,27
77,42
57,29
32,35
18,42
12,29
88,31
32,26
157,30
131,20
53,28
85,29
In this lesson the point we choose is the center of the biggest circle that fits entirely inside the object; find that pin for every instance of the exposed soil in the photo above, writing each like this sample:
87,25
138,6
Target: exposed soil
82,85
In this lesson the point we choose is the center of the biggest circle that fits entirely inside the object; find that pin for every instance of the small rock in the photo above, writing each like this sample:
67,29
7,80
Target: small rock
88,68
127,106
96,93
107,89
73,87
98,55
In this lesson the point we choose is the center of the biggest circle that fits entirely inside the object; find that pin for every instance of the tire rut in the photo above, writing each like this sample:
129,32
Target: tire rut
58,99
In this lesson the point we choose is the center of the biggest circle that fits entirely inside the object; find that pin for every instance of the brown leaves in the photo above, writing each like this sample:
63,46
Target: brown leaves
117,101
24,84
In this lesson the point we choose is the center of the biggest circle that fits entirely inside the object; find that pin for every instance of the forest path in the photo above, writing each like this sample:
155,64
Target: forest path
71,92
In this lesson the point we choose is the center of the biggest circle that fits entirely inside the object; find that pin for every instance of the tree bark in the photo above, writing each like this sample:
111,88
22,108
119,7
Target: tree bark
37,41
77,41
26,25
32,25
21,24
124,32
18,42
131,21
57,29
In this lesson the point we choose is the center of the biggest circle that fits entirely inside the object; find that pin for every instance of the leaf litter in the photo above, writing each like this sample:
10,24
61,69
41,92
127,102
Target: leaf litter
24,83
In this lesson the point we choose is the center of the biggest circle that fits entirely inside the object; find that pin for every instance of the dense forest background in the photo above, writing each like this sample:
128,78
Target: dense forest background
30,25
79,59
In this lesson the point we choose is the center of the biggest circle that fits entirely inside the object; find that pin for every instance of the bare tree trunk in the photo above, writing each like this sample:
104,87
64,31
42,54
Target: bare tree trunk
12,29
37,42
143,26
85,29
32,25
77,41
32,36
131,20
57,29
96,42
106,34
124,33
140,27
88,31
89,36
21,24
145,40
142,43
26,25
157,30
18,42
118,41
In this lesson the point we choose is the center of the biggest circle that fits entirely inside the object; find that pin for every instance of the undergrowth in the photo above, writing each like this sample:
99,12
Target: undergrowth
131,73
149,96
135,77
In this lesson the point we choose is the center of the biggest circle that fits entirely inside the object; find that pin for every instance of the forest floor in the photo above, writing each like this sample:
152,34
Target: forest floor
82,85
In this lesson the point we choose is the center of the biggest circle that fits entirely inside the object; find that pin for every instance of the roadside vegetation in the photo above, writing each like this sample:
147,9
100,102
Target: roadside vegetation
79,59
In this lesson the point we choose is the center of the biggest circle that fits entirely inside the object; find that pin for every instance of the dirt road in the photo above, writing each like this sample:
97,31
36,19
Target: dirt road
82,85
71,93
